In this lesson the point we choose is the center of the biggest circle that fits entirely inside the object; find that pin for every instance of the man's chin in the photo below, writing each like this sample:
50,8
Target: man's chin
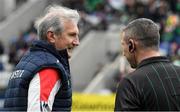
133,65
69,55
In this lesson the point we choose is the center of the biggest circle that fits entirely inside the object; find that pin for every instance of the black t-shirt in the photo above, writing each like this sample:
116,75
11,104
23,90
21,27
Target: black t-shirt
154,85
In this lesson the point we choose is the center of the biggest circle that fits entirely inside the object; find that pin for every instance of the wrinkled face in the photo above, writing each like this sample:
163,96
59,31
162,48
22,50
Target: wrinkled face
68,39
130,56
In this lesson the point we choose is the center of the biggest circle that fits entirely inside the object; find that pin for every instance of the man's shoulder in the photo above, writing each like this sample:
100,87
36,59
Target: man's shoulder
38,55
136,75
137,72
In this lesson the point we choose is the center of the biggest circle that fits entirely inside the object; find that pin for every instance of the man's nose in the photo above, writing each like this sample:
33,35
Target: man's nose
76,42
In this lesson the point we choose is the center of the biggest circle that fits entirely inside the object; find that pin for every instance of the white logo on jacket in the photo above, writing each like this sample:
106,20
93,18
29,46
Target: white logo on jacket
16,74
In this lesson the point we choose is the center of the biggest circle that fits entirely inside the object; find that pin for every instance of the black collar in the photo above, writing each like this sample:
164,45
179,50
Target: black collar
153,60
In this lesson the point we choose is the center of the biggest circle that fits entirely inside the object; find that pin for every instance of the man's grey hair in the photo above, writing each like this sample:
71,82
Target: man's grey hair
53,20
145,31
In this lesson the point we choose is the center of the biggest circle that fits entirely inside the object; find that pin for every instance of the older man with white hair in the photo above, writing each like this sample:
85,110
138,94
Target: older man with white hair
41,80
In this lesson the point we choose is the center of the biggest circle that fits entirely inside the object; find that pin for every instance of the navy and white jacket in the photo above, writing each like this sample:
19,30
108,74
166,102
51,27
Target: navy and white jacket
41,55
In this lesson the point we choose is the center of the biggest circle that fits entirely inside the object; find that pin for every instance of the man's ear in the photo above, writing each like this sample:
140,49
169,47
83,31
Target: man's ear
50,37
131,45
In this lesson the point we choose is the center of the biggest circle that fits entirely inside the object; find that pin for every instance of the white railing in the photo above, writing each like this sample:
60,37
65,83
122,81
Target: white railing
98,84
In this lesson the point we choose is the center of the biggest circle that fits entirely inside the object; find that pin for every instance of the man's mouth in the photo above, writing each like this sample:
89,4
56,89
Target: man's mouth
70,48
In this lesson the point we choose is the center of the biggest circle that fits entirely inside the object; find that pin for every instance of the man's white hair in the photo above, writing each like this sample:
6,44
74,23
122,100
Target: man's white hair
53,19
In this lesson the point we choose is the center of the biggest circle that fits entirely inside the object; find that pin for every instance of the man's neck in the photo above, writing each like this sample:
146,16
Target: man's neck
147,54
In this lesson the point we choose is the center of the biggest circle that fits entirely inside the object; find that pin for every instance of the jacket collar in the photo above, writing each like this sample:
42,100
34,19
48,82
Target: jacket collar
153,60
41,45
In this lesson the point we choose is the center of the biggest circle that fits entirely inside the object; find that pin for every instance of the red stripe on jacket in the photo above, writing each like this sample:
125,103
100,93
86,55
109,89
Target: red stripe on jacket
48,78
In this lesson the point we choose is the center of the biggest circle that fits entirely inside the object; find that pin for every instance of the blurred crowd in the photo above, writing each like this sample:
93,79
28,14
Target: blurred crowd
98,14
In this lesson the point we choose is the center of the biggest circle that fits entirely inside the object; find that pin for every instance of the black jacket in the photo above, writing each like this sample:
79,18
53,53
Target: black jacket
154,85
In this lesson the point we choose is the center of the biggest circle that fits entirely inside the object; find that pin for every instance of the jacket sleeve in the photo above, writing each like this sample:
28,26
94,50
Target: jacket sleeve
42,90
127,96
